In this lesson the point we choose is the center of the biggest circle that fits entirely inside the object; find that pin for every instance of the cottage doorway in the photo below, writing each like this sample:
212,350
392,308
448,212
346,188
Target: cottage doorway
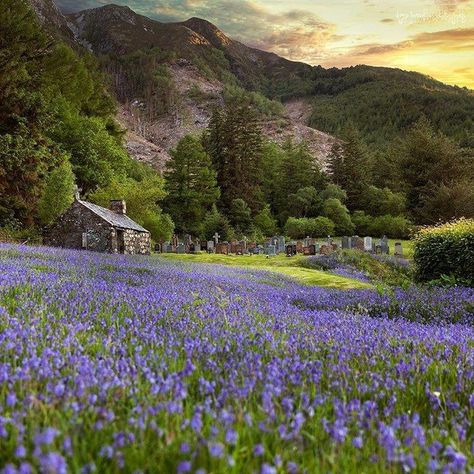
120,241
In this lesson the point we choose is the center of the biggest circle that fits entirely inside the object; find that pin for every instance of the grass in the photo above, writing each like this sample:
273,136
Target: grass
291,267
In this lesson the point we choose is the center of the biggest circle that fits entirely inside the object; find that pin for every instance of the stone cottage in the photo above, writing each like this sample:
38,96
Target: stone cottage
90,227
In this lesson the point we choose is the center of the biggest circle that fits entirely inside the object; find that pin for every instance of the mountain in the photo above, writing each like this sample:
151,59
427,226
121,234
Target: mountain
168,77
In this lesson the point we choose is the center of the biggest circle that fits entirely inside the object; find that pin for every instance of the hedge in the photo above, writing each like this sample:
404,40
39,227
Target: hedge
446,250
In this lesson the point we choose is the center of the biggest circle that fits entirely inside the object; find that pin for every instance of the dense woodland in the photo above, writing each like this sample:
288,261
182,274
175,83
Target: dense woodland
57,130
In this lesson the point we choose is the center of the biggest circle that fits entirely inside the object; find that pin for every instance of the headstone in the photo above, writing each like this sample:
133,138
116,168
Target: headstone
346,243
166,248
174,241
181,248
290,249
216,237
270,250
357,243
210,246
398,250
325,249
312,249
281,244
222,248
299,246
157,248
197,247
384,245
238,249
233,246
368,244
378,249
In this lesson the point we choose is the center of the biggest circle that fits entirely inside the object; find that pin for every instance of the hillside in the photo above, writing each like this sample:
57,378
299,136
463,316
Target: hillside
168,77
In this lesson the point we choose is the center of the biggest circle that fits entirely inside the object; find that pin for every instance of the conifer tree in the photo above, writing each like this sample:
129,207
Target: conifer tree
191,185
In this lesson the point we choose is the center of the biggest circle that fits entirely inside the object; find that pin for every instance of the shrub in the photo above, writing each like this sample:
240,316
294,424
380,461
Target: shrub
315,227
446,250
338,213
397,227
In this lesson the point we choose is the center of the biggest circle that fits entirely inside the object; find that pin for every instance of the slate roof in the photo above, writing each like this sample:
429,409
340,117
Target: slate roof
116,220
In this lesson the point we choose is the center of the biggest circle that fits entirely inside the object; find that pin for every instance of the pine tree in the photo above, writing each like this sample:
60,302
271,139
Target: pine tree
429,160
191,185
235,144
352,168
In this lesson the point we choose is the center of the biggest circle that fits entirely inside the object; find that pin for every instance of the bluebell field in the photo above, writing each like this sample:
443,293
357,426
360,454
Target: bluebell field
128,364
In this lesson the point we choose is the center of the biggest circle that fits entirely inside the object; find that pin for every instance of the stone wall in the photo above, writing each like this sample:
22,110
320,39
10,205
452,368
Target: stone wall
69,228
136,242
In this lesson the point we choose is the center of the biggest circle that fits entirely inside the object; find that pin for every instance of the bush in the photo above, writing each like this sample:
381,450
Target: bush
338,213
396,227
446,250
315,227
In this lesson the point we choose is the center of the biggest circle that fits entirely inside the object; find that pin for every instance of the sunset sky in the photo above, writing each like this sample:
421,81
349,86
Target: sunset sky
435,37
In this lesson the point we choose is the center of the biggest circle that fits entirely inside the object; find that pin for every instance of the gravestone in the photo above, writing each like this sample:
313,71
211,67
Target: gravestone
398,250
384,245
346,243
197,247
270,250
222,248
299,246
238,249
357,243
281,244
210,246
181,248
312,249
233,246
290,249
368,244
325,249
378,249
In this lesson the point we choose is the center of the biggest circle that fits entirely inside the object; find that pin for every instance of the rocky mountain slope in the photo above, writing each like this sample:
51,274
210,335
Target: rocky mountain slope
168,77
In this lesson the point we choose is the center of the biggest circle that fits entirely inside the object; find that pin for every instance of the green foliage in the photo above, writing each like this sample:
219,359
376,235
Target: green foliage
298,228
235,143
298,177
240,216
446,249
384,102
234,94
52,104
333,191
379,202
58,193
96,156
306,202
191,185
398,227
144,76
338,213
429,161
265,222
142,199
214,222
349,166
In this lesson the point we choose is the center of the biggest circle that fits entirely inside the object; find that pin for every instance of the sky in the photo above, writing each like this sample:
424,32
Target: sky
434,37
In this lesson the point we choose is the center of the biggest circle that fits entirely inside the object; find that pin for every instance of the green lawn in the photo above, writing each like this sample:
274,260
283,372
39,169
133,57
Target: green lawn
290,267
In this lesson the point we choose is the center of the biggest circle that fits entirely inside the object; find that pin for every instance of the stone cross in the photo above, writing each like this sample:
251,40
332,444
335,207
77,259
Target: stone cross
216,238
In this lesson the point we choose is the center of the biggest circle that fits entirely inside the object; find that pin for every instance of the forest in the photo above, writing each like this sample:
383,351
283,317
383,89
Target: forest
57,130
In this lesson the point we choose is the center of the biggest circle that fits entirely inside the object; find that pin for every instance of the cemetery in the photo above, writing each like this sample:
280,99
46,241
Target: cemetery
278,245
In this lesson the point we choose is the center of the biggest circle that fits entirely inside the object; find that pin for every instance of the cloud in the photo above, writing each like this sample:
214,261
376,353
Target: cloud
296,33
